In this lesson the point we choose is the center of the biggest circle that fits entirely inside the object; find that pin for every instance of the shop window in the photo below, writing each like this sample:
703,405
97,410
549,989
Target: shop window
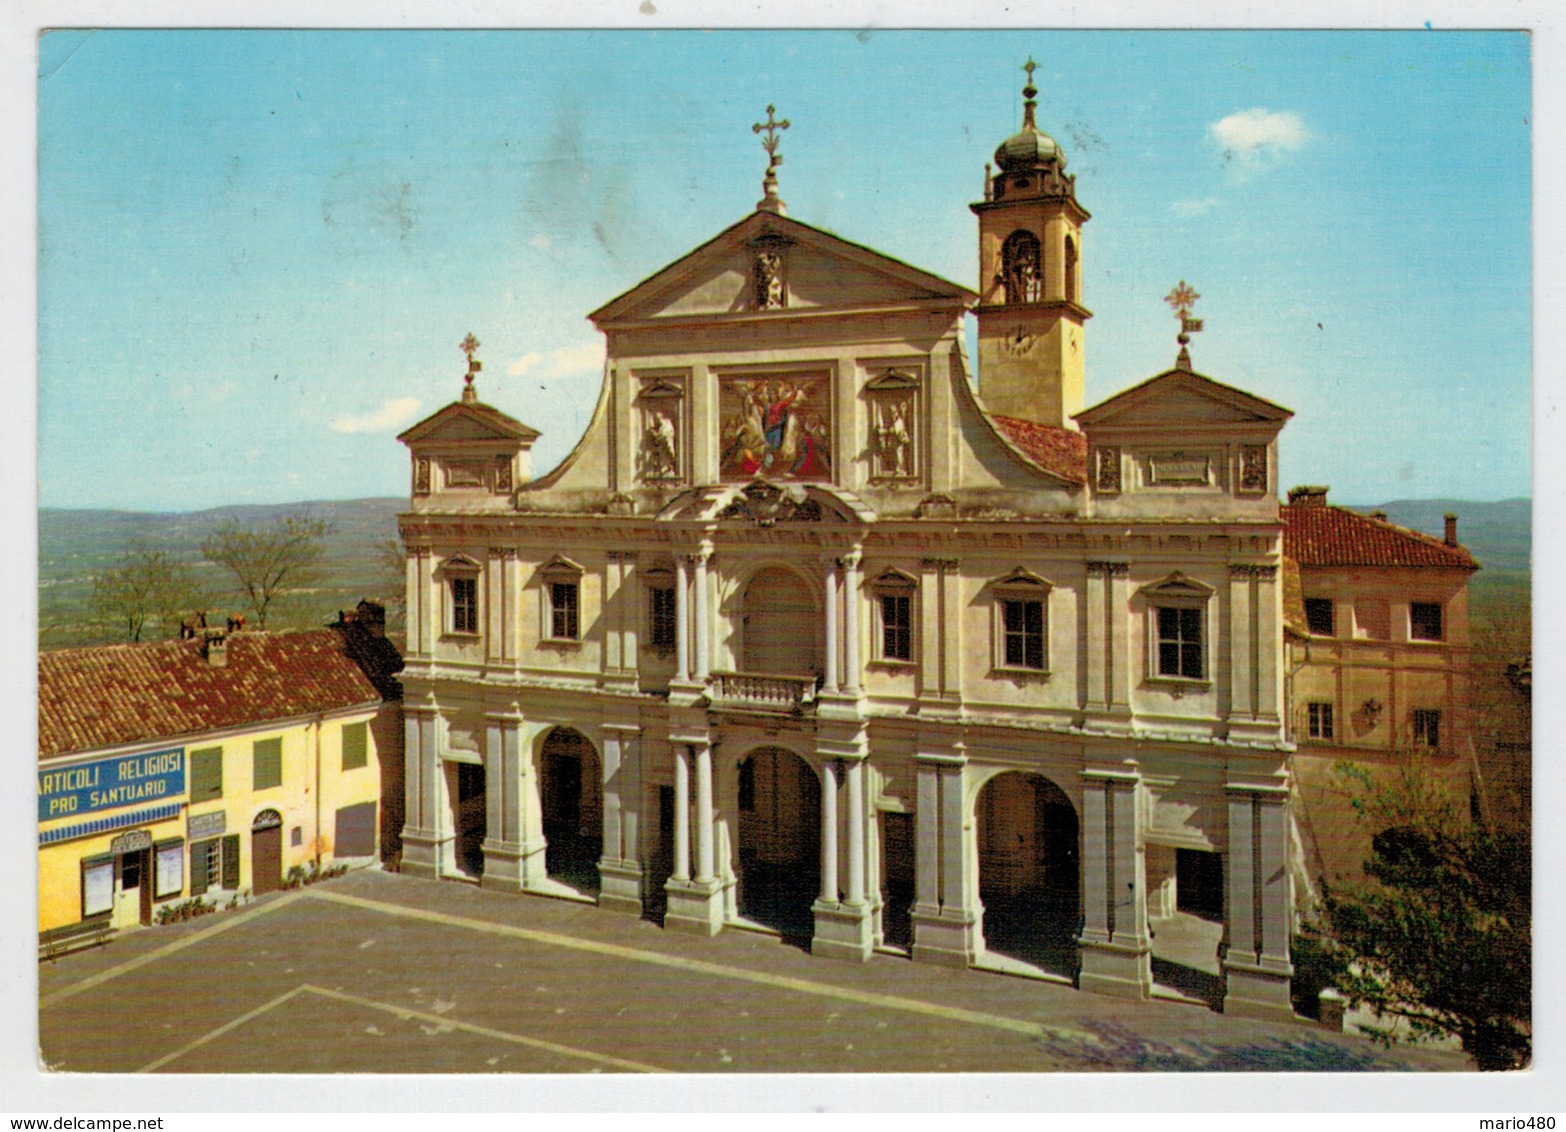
894,606
206,774
356,745
168,869
1021,624
267,763
1427,727
214,863
355,831
1320,721
1318,616
1424,621
97,886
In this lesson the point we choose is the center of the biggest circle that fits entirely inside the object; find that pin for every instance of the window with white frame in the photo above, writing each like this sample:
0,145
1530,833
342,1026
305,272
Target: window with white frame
462,595
1021,622
894,594
1177,629
561,615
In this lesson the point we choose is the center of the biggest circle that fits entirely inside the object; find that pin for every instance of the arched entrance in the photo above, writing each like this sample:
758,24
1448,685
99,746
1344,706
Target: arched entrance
571,796
1029,875
781,619
779,809
266,852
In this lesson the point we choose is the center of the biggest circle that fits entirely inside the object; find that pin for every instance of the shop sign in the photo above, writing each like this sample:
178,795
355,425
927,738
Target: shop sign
132,842
110,783
206,825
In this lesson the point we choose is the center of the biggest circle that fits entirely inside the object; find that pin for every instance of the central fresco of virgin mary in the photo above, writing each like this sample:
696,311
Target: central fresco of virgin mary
776,428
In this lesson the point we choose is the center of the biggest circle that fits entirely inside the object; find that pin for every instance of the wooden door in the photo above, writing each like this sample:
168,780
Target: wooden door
266,860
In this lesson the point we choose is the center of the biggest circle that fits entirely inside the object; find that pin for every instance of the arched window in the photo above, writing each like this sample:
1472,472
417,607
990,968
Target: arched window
1022,268
1071,270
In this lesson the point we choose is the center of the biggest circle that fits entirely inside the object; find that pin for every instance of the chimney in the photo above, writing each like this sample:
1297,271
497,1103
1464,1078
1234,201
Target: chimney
1451,528
1308,496
214,647
1382,515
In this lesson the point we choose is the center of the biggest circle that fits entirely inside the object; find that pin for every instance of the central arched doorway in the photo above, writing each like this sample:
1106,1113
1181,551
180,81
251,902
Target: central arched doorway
779,808
571,798
1029,876
781,625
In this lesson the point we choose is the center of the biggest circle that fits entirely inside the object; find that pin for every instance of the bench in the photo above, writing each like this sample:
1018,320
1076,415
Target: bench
73,937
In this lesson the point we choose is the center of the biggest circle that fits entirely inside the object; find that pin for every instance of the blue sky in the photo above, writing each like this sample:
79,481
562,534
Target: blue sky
258,251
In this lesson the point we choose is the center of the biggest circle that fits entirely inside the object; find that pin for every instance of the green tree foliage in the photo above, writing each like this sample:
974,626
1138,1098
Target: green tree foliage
269,561
145,595
1439,935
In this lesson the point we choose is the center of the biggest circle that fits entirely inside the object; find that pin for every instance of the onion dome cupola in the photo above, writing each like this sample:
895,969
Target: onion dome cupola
1030,311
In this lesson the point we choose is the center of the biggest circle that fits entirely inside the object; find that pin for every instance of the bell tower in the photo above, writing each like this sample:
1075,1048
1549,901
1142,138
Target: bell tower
1030,311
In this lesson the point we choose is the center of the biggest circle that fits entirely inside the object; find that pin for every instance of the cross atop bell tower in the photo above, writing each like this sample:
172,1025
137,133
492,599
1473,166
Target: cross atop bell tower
1030,310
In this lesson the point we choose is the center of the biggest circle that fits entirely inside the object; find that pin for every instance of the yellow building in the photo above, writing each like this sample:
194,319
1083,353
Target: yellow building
205,767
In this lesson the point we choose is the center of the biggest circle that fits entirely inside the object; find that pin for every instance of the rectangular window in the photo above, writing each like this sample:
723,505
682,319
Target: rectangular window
1318,615
97,887
661,614
896,627
1320,721
267,763
1424,621
206,774
464,605
356,745
1023,623
1427,727
563,611
169,870
1180,642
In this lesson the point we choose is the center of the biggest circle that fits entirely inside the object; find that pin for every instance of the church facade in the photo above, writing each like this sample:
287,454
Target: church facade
811,633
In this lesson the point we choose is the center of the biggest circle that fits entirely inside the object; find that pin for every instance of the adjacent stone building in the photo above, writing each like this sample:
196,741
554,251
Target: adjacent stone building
812,634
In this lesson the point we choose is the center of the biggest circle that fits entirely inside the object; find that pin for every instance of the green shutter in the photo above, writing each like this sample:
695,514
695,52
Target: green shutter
199,866
268,763
206,774
356,745
231,861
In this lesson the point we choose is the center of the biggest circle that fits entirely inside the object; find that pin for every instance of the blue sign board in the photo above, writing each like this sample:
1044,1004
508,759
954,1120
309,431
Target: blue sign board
158,776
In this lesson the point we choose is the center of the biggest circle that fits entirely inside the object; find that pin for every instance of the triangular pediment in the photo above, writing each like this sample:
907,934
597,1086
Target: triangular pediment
468,423
815,270
1180,397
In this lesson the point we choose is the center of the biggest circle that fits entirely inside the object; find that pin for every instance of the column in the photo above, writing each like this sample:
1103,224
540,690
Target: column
611,795
703,627
503,850
954,848
1256,967
682,626
829,604
421,793
852,672
829,832
1114,947
946,913
927,833
682,813
704,830
619,868
856,831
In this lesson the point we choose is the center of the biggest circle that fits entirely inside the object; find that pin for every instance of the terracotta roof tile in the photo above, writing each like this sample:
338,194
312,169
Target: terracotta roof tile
1059,450
1319,534
92,698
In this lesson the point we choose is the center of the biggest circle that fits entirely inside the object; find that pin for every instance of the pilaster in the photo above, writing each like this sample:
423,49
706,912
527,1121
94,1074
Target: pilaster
421,821
1257,968
503,849
1114,947
945,914
620,867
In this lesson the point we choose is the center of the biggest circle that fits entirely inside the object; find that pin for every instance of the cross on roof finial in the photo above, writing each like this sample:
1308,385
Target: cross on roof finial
1029,93
1182,299
769,183
469,346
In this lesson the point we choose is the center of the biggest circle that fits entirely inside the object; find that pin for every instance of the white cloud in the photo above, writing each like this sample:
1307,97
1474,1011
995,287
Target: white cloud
567,361
1259,134
389,415
540,241
1185,209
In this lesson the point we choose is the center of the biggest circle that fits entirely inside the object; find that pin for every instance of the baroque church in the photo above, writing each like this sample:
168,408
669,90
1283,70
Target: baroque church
817,632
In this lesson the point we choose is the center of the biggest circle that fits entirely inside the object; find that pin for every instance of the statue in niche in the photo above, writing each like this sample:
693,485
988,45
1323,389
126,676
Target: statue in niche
1253,467
769,280
660,448
893,440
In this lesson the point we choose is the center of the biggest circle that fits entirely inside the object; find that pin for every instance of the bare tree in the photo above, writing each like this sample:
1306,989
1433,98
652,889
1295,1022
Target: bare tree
268,562
145,595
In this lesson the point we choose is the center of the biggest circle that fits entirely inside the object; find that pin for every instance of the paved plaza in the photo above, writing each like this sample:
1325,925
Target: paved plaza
375,972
